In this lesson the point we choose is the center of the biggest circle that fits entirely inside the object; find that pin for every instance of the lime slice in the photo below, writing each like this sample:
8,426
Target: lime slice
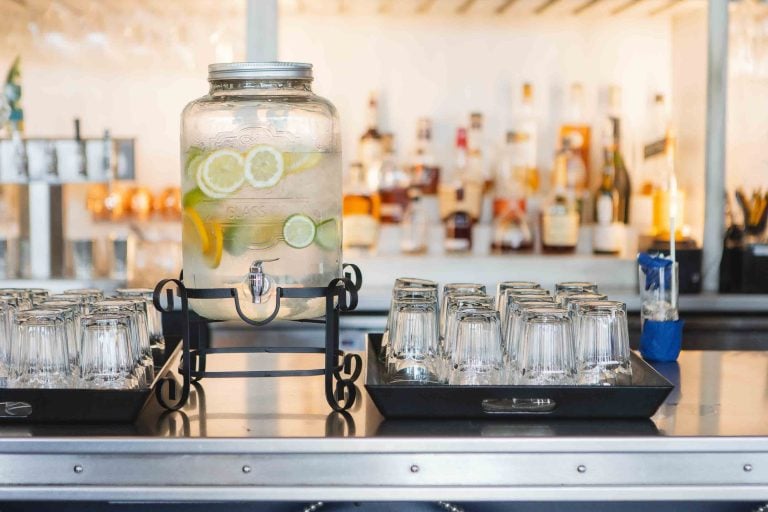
298,162
212,256
328,234
194,157
263,166
299,231
193,198
221,173
194,233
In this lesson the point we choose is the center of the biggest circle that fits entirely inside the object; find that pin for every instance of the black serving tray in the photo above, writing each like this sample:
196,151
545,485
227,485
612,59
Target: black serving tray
639,399
33,406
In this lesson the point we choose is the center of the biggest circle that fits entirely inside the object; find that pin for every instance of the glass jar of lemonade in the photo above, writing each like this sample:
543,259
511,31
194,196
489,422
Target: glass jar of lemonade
261,183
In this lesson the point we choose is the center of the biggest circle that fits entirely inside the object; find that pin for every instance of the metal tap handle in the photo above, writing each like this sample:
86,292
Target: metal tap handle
259,282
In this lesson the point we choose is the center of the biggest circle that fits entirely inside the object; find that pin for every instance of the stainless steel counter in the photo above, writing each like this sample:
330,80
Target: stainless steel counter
274,439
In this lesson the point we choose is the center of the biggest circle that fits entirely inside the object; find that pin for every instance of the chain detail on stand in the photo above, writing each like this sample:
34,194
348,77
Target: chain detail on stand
340,370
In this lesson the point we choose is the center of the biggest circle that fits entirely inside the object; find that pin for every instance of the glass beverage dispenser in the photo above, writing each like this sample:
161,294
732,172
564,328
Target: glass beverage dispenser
261,178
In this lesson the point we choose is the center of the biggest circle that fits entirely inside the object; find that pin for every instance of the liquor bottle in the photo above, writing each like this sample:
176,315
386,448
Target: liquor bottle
606,231
458,227
653,167
12,92
371,146
512,230
461,177
360,211
415,225
425,173
526,124
576,176
621,179
560,219
576,128
393,184
478,171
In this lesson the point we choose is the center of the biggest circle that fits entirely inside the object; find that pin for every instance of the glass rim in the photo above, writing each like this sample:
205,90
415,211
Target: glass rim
48,315
544,299
511,285
602,305
526,291
103,318
460,286
557,312
415,282
476,313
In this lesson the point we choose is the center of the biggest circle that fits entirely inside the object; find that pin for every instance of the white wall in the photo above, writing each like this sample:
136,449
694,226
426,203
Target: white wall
447,66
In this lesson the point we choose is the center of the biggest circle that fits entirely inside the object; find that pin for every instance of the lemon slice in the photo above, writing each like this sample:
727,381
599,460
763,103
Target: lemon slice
212,256
299,231
298,162
263,166
221,173
194,232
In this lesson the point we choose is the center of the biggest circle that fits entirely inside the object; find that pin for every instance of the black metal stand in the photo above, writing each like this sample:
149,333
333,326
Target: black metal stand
340,370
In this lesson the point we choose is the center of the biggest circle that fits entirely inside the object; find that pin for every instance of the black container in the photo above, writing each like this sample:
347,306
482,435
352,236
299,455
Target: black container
32,406
744,269
640,399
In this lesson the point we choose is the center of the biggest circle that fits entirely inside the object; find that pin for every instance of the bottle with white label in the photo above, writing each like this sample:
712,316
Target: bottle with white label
606,233
370,150
560,219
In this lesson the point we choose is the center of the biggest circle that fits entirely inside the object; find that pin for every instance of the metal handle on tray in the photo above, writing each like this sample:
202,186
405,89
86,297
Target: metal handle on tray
518,405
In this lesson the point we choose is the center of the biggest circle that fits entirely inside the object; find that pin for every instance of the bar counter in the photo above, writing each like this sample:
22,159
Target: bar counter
276,439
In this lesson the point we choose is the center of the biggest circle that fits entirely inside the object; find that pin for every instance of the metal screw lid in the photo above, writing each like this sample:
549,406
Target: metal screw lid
260,70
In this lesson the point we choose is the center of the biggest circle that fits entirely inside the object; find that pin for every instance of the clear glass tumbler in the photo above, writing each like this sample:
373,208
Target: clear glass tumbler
602,342
512,333
39,356
413,346
571,287
137,332
70,314
106,359
456,289
511,285
546,348
400,292
659,289
477,360
509,293
154,318
457,304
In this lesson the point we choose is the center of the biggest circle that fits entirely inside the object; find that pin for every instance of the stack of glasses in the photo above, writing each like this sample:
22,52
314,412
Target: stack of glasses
522,336
78,339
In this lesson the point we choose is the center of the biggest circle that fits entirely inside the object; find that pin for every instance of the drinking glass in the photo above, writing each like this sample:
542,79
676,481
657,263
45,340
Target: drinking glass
154,318
37,295
572,287
512,285
138,334
602,342
106,359
7,312
658,292
477,359
546,347
413,342
39,355
570,302
511,292
70,314
447,345
400,292
456,289
512,329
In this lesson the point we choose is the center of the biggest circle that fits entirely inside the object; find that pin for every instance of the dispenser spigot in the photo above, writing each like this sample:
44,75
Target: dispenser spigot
258,282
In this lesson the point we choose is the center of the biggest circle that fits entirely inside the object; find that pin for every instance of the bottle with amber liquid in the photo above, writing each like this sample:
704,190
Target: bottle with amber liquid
425,173
606,231
458,227
560,219
360,211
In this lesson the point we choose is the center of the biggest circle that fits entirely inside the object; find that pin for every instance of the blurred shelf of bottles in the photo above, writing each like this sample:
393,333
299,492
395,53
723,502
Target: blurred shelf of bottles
494,194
